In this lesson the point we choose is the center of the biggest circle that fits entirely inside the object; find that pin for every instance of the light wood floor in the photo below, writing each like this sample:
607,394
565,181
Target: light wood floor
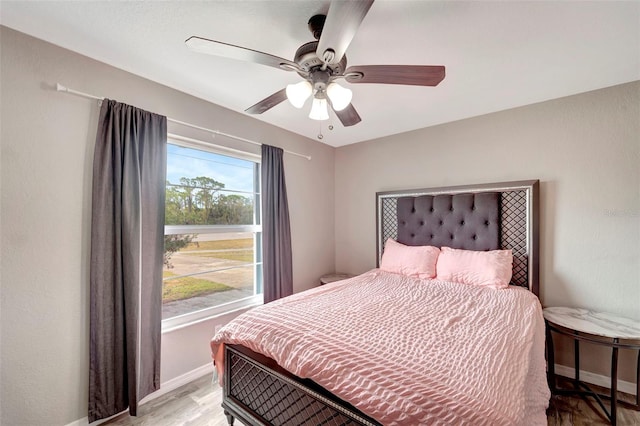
198,404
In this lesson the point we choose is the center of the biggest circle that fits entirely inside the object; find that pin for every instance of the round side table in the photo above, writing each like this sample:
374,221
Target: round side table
599,328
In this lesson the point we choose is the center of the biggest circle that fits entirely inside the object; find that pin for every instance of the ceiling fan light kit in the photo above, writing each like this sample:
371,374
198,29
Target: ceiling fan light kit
298,93
319,110
340,96
323,61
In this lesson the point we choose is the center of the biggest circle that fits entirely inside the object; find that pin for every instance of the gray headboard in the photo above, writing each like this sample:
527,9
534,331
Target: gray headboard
464,221
476,217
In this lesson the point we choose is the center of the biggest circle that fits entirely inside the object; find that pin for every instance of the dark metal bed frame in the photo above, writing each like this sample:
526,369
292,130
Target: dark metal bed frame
257,391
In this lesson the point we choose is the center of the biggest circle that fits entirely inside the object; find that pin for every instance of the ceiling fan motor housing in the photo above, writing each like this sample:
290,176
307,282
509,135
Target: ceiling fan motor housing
320,80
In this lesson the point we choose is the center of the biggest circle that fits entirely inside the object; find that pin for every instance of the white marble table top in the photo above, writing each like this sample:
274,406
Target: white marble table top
592,322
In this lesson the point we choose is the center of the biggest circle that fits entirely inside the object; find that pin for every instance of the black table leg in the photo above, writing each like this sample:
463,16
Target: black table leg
637,407
614,382
551,366
576,363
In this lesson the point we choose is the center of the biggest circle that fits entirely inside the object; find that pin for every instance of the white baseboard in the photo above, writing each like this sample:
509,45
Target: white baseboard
182,380
595,379
165,388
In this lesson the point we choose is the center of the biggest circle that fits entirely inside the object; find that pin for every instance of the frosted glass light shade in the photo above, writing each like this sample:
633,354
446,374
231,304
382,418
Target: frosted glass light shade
340,96
319,110
298,93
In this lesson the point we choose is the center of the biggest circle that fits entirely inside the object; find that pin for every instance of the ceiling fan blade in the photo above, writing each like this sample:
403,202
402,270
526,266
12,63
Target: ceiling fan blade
348,116
268,103
343,19
413,75
218,48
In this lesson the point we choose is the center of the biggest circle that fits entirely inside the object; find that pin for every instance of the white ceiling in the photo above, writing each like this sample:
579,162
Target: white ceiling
498,55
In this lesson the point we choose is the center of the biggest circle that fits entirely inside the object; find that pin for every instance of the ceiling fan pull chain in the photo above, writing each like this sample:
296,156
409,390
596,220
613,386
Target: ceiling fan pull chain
320,136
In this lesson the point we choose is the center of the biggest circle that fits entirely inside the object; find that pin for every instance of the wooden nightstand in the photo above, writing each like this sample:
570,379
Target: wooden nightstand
336,276
599,328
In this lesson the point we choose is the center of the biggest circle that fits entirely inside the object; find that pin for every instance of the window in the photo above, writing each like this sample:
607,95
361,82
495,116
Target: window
212,257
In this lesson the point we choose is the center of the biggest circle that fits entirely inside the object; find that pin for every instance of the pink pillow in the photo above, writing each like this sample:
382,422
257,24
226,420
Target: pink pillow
413,261
491,269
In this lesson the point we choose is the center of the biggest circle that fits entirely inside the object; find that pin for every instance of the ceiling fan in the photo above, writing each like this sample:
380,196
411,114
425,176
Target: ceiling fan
320,63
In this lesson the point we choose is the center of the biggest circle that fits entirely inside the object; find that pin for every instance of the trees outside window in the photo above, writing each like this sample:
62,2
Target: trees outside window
212,258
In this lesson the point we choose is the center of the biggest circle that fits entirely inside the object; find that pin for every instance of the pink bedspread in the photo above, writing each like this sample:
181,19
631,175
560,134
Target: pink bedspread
407,351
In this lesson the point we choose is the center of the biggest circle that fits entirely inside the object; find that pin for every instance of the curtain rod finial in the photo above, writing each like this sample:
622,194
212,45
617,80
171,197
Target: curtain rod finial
61,88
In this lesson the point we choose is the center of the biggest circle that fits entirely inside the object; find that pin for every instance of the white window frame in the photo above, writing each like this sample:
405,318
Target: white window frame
180,321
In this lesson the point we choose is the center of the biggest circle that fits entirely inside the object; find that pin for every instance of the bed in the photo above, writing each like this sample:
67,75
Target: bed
394,348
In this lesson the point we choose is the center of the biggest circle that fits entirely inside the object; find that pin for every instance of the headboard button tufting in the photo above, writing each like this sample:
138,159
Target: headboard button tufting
461,221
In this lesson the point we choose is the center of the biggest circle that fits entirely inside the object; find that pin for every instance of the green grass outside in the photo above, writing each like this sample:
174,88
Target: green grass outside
220,245
239,255
188,287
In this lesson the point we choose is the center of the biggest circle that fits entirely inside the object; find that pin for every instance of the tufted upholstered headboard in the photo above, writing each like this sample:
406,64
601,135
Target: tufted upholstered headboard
477,217
464,221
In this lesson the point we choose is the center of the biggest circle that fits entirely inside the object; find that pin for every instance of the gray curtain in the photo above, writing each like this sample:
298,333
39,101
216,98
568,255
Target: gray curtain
127,238
276,232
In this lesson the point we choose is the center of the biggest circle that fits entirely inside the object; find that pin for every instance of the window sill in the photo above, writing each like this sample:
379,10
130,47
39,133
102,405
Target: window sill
183,321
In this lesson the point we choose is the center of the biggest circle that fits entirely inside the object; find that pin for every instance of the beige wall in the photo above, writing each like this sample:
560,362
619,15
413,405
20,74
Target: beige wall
585,149
47,149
